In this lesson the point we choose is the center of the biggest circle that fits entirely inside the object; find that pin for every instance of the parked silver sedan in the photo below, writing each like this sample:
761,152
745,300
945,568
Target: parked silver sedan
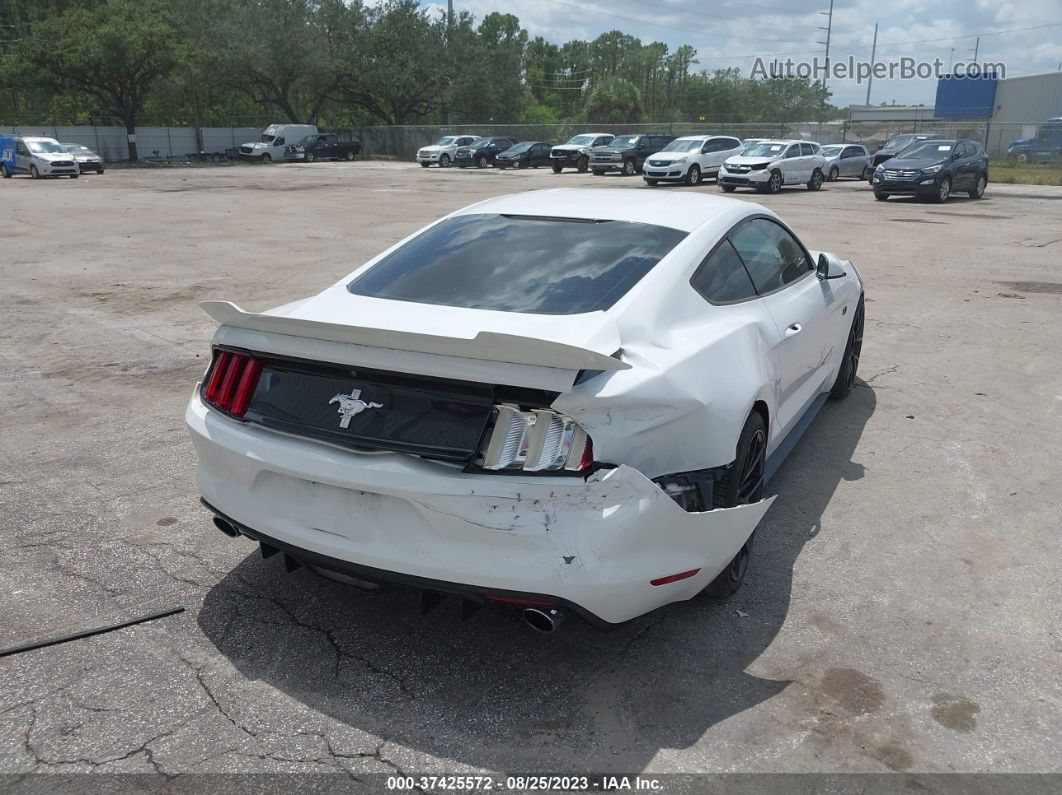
845,160
87,160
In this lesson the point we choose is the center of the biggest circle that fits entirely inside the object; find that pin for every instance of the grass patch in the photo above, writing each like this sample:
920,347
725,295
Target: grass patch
1031,174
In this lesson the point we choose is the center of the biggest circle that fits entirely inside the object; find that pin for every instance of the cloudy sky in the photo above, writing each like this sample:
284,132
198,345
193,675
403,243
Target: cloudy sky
1026,35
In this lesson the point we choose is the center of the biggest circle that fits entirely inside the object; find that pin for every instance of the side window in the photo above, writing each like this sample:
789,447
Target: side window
601,141
965,150
773,257
733,143
793,151
722,277
278,142
807,149
21,149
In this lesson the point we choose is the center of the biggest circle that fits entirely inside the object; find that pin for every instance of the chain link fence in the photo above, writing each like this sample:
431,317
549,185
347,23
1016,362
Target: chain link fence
402,142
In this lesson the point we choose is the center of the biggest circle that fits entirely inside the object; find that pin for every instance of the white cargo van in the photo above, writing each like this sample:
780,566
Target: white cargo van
270,144
36,156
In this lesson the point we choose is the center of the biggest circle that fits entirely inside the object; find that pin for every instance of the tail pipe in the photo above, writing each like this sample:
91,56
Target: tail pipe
227,527
543,619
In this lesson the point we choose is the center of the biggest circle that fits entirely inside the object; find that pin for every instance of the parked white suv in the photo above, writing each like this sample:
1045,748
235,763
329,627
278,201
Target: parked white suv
769,165
442,151
689,158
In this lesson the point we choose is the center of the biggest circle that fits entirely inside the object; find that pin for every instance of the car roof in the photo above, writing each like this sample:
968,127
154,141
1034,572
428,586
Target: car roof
683,211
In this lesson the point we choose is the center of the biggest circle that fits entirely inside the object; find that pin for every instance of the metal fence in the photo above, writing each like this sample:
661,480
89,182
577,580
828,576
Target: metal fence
403,141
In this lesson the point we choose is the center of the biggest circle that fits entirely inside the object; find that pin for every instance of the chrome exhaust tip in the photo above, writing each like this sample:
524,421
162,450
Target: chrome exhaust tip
544,620
227,527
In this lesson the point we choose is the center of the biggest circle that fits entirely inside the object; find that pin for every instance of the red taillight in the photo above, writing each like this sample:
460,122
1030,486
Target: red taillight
587,457
231,382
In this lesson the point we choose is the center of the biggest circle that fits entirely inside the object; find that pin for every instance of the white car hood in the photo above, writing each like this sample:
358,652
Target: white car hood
51,157
669,157
434,148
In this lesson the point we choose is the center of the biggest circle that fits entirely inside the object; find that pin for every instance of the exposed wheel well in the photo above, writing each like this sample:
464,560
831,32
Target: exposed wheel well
761,407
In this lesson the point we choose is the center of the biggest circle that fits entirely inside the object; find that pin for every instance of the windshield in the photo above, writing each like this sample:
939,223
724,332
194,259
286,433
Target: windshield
929,150
265,139
517,263
899,142
830,151
624,140
446,140
683,145
521,147
49,147
582,140
764,150
481,143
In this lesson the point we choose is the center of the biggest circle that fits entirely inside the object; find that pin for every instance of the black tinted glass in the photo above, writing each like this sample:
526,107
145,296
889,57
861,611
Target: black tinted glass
773,256
520,264
722,277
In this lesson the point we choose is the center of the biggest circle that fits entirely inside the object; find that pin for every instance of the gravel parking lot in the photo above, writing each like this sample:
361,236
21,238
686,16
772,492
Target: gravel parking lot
902,612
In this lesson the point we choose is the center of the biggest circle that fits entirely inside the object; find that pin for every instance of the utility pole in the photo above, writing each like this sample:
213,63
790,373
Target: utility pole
977,48
873,53
449,49
828,29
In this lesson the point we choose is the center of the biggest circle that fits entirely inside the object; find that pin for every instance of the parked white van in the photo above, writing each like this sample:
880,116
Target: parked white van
36,156
270,144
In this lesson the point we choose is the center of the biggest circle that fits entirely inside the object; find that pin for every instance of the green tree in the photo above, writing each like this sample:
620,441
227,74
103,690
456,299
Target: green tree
614,100
116,51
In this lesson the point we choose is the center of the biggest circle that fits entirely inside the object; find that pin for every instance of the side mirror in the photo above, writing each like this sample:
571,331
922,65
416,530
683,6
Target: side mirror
828,268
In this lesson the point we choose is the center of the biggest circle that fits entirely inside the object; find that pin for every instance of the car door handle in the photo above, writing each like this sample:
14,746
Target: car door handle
796,328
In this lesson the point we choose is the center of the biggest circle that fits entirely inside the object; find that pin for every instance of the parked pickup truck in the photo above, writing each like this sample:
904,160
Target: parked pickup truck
322,146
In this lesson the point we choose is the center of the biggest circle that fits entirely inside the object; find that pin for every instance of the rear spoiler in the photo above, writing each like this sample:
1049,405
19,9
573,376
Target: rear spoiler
486,345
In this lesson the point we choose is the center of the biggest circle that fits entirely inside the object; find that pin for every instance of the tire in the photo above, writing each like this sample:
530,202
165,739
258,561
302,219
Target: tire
744,485
350,155
75,176
521,164
444,161
310,157
582,164
100,171
267,158
943,191
693,176
880,195
629,168
979,188
4,172
774,184
481,161
728,188
816,180
425,165
651,182
842,386
557,168
1022,158
34,172
834,175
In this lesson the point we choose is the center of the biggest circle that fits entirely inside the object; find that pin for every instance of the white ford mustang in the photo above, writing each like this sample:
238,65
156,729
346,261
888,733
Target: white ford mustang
565,400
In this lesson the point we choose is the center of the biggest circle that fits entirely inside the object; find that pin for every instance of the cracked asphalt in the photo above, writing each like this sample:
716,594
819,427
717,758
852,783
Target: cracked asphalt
902,612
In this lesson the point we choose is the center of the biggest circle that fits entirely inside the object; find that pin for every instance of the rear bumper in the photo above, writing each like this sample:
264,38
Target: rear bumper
592,545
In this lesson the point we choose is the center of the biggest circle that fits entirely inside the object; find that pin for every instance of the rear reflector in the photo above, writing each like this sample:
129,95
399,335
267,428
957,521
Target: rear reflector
231,381
682,575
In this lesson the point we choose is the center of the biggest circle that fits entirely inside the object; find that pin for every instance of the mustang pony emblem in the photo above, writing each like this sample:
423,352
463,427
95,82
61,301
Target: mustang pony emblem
351,405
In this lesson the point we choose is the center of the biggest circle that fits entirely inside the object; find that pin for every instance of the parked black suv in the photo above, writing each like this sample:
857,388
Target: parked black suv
481,153
627,153
934,170
893,147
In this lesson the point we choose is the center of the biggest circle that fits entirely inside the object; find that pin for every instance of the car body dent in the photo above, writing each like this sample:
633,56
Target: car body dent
581,541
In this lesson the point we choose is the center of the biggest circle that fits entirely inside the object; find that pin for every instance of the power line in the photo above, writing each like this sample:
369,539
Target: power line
772,9
687,31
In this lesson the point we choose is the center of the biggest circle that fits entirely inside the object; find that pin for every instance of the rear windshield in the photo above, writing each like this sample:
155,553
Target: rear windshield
552,266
